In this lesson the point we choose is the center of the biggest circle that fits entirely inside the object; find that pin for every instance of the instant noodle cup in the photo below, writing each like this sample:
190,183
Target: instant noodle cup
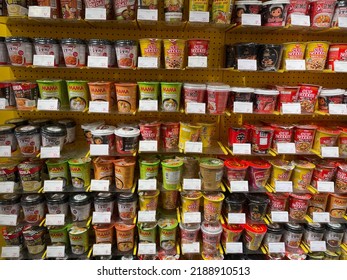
26,95
20,51
98,47
298,205
7,137
80,172
149,200
302,175
245,7
194,93
231,233
261,138
322,12
31,174
238,135
149,167
147,232
269,57
259,173
235,169
190,201
80,206
104,233
124,172
126,203
221,11
87,130
45,46
240,94
171,96
34,237
337,52
78,93
125,234
340,11
126,97
71,9
15,8
198,5
213,202
337,206
104,135
342,141
329,96
167,233
172,172
198,47
317,203
297,7
190,167
282,134
188,132
325,171
126,53
174,53
148,90
74,51
173,10
28,139
304,137
103,169
254,235
265,101
217,98
58,169
277,202
293,233
211,236
257,206
9,173
281,171
57,203
102,91
293,50
125,10
169,132
207,133
307,97
127,139
274,13
34,208
234,203
59,235
168,199
150,130
211,173
316,55
151,47
341,178
326,137
189,233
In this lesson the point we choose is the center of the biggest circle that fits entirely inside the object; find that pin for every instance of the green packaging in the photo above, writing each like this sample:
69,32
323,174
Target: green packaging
172,172
53,89
148,90
78,92
58,169
171,96
149,168
80,172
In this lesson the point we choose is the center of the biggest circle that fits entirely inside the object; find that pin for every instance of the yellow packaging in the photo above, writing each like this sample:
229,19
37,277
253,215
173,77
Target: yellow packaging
207,133
221,11
281,171
188,132
302,175
316,55
174,53
198,5
150,47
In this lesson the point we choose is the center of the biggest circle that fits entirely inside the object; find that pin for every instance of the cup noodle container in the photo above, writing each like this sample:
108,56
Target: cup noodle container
274,13
221,11
257,207
125,234
189,233
87,130
297,7
211,236
190,201
127,139
277,202
102,91
304,136
168,199
316,55
217,98
329,96
169,132
126,53
150,130
173,10
74,51
239,135
198,5
174,53
337,206
281,171
126,94
317,203
322,12
261,138
326,137
341,178
151,47
325,171
211,173
107,4
172,172
245,7
105,135
71,9
240,94
293,50
337,52
124,173
149,200
207,133
170,96
103,168
235,169
188,132
80,172
254,235
342,141
148,90
298,205
231,233
194,93
149,167
99,47
45,46
302,175
34,209
167,233
287,94
198,47
282,134
265,101
104,233
259,173
340,11
213,202
147,232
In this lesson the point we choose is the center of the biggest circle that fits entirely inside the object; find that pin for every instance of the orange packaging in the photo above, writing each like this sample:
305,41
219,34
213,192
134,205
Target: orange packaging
126,97
337,206
102,91
125,236
103,168
104,233
124,171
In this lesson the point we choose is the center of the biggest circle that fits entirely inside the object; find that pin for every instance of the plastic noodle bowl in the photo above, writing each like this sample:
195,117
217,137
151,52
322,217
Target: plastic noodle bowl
235,170
104,233
20,51
234,203
168,199
211,236
269,57
149,167
104,202
240,94
103,169
148,200
30,175
80,172
79,240
147,232
259,173
326,170
341,178
190,201
302,175
102,91
126,94
87,130
213,202
313,232
337,206
282,134
334,235
29,139
80,205
74,51
70,126
194,93
44,46
7,137
148,90
273,234
189,233
298,205
172,172
254,235
104,135
33,206
231,233
126,53
281,171
167,233
217,97
10,204
53,135
211,172
126,204
257,206
57,203
127,139
245,7
99,47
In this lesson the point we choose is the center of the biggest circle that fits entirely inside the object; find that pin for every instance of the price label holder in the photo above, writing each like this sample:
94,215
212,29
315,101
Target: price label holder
323,186
101,217
5,151
55,251
337,109
43,60
50,152
146,216
53,185
148,105
146,14
340,66
239,186
95,13
191,184
195,16
321,217
7,187
193,147
197,61
279,216
286,148
55,219
47,104
342,22
242,149
291,108
284,186
148,146
234,248
300,20
195,108
147,185
97,61
277,247
8,220
39,12
318,246
100,185
98,107
243,107
102,249
295,64
192,217
250,20
236,218
3,103
10,252
191,248
147,62
330,152
147,248
247,64
99,149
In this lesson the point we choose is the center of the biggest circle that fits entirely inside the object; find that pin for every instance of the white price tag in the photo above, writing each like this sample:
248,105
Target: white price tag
55,219
191,248
286,148
50,152
318,246
43,60
7,187
148,105
338,109
300,20
325,186
291,108
53,185
195,108
193,147
236,218
342,22
321,217
101,217
192,217
100,185
144,14
148,146
97,61
340,66
5,151
295,65
251,19
102,249
55,251
47,104
39,12
147,248
242,149
197,61
3,103
99,149
195,16
146,216
279,216
95,14
234,248
277,247
191,184
239,186
147,185
330,152
147,62
247,64
10,252
243,107
284,186
98,106
8,220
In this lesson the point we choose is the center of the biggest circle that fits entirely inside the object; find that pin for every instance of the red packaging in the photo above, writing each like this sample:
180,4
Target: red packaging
298,205
341,179
287,94
298,7
342,141
282,134
265,101
194,92
198,47
235,169
278,201
304,137
217,98
259,173
337,52
307,96
150,131
261,139
170,134
238,135
322,12
324,171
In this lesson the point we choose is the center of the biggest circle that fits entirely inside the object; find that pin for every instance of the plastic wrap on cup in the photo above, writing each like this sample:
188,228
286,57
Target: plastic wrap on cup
303,137
149,200
188,132
297,7
126,53
261,139
317,203
240,94
316,55
217,98
257,206
211,173
221,11
213,202
329,96
325,170
281,171
20,51
103,169
150,130
337,206
99,47
277,201
265,101
254,235
337,52
74,51
211,236
148,90
298,205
